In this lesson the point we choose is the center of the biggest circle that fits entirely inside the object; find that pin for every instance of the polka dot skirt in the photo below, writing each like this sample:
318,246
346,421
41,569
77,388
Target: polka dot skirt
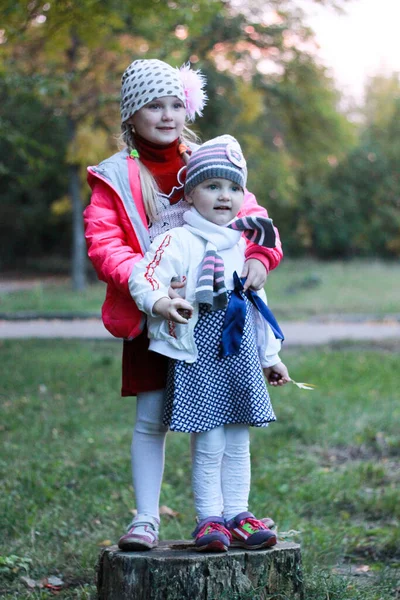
216,391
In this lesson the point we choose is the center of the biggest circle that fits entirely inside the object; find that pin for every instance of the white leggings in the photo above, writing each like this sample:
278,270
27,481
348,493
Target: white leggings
147,451
220,457
221,471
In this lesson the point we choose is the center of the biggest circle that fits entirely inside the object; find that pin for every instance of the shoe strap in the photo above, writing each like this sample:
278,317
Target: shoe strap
206,521
215,527
141,524
142,520
255,524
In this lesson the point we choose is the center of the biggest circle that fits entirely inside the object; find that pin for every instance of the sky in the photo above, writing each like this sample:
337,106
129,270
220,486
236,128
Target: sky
365,41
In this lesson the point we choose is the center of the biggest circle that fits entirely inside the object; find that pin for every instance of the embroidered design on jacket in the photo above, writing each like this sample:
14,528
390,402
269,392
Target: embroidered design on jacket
151,267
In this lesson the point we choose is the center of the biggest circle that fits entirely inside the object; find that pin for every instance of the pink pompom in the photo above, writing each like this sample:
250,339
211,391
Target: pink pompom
193,85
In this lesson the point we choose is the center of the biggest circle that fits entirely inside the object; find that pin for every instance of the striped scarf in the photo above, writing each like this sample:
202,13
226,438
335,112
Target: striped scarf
258,230
211,288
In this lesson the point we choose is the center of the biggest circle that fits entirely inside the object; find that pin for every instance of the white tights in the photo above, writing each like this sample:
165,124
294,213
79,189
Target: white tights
220,457
147,451
221,471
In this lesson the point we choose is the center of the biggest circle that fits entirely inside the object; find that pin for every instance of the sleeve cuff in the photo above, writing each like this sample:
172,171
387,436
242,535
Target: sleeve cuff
270,361
150,299
259,256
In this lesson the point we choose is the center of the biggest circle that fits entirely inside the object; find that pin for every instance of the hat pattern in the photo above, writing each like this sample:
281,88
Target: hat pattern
221,157
145,80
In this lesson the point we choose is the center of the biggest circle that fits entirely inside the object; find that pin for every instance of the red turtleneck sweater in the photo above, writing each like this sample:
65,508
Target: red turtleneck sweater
163,162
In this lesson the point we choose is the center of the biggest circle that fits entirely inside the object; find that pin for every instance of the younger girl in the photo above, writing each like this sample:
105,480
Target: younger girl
218,341
136,195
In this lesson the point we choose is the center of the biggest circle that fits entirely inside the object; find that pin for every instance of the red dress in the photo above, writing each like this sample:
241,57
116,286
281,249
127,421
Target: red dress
144,371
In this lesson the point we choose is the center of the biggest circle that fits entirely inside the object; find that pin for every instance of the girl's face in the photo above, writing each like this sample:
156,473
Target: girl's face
161,121
217,200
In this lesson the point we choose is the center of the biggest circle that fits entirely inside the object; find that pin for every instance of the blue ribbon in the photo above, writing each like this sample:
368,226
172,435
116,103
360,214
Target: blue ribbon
235,317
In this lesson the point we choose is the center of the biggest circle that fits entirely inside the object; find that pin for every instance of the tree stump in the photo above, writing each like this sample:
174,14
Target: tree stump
175,571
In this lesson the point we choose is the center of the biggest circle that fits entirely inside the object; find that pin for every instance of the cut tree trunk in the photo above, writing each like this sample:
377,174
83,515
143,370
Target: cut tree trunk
175,571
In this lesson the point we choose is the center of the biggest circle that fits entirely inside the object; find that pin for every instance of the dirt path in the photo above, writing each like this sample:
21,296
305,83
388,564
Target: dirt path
303,333
307,333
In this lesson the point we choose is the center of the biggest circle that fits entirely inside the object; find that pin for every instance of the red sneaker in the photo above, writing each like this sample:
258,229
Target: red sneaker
211,535
251,533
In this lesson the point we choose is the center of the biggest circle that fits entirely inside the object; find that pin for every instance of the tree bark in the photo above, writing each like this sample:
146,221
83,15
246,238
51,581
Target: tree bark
175,571
78,267
78,270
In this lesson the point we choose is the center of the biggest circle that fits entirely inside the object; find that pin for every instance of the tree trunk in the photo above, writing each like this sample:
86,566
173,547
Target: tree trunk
78,267
78,271
175,571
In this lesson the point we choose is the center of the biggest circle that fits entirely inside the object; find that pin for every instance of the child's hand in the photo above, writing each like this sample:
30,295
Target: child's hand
277,375
256,274
172,309
176,285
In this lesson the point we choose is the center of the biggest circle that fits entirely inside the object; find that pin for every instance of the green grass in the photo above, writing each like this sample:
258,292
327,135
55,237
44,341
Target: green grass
297,289
328,469
304,288
53,298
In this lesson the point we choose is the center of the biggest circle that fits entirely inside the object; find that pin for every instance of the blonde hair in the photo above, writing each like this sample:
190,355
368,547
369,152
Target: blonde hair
150,189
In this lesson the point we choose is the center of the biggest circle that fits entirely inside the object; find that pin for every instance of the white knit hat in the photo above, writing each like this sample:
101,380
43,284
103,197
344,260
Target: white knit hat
220,157
145,80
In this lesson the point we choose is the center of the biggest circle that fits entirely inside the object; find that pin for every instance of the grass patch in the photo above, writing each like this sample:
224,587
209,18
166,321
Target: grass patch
305,288
297,289
328,469
51,297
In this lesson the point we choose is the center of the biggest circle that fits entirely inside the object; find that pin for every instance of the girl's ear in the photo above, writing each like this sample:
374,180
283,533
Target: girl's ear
189,198
128,127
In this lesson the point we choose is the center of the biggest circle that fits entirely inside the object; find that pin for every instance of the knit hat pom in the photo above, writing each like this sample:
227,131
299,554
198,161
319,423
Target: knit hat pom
193,84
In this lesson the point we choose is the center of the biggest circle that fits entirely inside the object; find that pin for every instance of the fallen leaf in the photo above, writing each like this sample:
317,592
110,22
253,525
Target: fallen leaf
31,583
167,511
105,543
303,385
164,510
53,583
362,569
53,580
289,533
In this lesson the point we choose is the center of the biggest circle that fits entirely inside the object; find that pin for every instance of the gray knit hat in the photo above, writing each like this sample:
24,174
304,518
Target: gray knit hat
220,157
145,80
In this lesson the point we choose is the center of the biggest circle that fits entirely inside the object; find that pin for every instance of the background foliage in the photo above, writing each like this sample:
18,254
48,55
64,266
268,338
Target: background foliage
331,184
